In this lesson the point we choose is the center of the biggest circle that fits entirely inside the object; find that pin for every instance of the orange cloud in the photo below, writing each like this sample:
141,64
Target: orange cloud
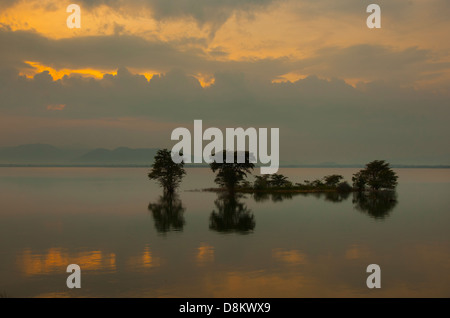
37,67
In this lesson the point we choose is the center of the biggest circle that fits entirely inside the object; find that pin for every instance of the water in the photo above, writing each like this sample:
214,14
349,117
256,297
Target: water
303,246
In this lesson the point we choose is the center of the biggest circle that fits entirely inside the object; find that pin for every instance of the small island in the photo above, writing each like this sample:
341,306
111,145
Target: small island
232,178
278,183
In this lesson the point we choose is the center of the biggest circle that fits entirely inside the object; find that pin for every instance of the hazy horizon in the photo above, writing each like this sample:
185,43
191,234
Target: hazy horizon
41,154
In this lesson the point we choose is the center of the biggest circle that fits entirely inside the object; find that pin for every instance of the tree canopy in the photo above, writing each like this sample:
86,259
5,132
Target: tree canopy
278,181
377,175
166,172
332,180
229,175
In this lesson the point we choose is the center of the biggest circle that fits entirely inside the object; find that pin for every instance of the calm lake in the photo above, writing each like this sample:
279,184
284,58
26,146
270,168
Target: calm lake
113,223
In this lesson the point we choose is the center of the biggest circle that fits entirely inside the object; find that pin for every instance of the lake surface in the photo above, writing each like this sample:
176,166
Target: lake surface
131,242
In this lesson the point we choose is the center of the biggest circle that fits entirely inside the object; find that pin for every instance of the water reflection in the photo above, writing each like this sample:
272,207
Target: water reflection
56,260
205,254
168,213
335,197
331,196
305,246
376,204
144,260
274,197
232,215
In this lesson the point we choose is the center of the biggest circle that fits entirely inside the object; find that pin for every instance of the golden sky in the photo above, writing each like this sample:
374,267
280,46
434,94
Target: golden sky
293,30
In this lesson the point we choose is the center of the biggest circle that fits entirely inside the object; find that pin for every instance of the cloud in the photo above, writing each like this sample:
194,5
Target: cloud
318,119
374,62
393,10
109,52
367,62
213,13
7,3
91,51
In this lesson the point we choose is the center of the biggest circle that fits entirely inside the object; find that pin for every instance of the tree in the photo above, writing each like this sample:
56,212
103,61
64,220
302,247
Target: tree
359,180
166,172
261,182
344,187
279,181
245,184
229,175
332,180
316,183
377,175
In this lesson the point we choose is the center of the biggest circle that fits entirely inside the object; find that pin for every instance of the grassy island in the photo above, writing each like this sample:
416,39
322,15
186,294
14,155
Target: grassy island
277,183
231,178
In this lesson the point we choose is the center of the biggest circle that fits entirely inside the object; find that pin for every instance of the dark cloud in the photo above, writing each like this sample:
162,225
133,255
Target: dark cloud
393,10
8,3
211,12
364,61
109,52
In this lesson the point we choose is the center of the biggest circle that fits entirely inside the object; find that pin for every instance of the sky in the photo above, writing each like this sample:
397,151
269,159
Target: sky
135,70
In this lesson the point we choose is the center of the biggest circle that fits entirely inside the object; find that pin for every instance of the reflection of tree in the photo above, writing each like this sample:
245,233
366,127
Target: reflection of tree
336,197
168,213
232,215
261,196
330,196
378,204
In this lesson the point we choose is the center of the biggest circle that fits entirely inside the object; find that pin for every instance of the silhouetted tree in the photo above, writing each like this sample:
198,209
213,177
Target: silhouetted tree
278,181
166,172
359,180
317,183
332,180
229,175
344,187
261,182
245,184
377,175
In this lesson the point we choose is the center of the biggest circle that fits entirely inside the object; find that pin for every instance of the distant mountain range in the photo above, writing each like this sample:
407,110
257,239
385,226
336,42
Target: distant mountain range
40,154
48,155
